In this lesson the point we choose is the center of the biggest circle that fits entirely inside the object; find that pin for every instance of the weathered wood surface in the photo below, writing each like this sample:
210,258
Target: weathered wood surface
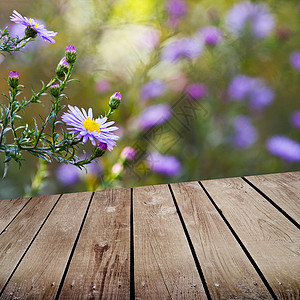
283,190
227,270
235,238
270,238
100,266
40,271
9,209
164,267
15,240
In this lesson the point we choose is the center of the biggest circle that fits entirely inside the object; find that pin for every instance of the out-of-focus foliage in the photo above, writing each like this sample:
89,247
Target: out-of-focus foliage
210,89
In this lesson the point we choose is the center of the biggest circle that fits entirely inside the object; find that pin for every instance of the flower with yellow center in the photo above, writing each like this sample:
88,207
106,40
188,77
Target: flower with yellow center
31,21
91,125
86,127
36,28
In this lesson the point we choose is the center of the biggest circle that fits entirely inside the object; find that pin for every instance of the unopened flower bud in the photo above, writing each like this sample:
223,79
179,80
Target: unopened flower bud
100,150
70,54
115,100
13,79
62,67
128,153
30,32
55,90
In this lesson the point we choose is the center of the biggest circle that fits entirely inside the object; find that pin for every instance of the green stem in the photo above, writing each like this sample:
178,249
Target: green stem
38,179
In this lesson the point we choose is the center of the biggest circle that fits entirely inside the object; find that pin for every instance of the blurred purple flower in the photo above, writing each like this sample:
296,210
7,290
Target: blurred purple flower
103,86
152,89
245,133
296,119
255,89
212,35
186,47
196,90
295,60
240,87
261,97
67,174
176,8
164,164
154,115
70,174
255,16
284,147
128,153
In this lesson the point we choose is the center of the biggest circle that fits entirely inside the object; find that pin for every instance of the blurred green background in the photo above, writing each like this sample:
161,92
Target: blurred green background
122,45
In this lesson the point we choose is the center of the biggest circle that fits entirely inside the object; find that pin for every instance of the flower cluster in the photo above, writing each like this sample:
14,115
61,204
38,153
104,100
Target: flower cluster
54,145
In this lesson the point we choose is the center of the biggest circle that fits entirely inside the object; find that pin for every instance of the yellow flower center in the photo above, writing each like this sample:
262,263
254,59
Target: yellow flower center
34,23
91,125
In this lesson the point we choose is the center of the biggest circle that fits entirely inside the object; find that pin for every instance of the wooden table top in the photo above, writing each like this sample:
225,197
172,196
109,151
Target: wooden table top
235,238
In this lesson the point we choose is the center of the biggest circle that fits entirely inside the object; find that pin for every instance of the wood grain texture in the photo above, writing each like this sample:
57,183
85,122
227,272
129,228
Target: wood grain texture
271,239
39,274
163,264
9,209
19,234
283,189
227,270
100,266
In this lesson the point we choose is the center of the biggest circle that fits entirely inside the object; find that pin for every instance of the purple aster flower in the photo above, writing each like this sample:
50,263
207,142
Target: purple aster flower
295,60
176,8
18,30
254,89
164,164
152,89
33,25
186,47
212,35
154,115
128,153
196,90
103,86
295,118
254,16
89,128
284,147
245,133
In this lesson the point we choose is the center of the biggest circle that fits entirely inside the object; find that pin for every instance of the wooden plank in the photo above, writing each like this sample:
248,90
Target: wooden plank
283,189
19,234
9,209
40,272
227,271
100,266
270,238
164,267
